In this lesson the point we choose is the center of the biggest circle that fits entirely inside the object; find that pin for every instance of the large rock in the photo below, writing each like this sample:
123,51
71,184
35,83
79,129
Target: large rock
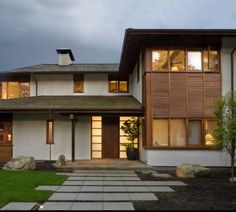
61,161
20,163
192,170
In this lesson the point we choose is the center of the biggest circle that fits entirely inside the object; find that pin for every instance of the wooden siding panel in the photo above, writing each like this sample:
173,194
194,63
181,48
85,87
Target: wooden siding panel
195,94
212,91
5,152
177,95
160,94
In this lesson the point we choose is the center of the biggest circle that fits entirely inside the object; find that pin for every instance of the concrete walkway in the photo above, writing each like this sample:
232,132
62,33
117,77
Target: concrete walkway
101,190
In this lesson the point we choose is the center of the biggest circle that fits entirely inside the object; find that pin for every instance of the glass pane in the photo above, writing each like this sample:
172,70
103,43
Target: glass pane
160,132
78,86
123,139
194,61
122,148
160,60
97,147
5,132
24,89
96,132
96,139
211,59
123,86
13,90
97,118
124,118
96,155
97,124
113,86
123,155
177,60
177,132
194,134
210,126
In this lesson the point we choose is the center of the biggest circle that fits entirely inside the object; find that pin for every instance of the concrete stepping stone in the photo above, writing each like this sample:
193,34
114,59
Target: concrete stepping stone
114,189
160,189
69,189
63,196
19,206
76,178
90,206
137,189
91,189
118,206
142,196
73,183
56,206
89,197
48,188
116,197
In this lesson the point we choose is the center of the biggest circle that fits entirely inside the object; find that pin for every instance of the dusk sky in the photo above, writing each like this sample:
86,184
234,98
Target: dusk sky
32,30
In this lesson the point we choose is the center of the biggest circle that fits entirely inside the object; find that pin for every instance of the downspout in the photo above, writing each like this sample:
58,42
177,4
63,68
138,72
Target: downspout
232,70
36,84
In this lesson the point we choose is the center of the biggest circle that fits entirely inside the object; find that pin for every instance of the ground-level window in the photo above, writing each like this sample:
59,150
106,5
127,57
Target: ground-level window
12,90
183,132
5,132
96,137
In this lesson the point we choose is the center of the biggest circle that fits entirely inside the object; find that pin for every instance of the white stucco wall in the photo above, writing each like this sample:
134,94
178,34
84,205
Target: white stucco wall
176,157
227,46
29,136
135,85
62,84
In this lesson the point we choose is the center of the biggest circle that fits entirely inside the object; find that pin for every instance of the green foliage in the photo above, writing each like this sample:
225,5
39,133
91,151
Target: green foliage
131,130
18,186
225,112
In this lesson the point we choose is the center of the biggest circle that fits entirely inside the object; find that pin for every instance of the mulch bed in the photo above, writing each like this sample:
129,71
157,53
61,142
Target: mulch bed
202,193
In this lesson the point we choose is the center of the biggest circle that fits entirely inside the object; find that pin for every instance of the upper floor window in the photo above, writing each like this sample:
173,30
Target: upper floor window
118,84
185,60
78,83
12,90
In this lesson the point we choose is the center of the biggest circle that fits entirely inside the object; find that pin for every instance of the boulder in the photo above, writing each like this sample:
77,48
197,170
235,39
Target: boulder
61,161
192,170
20,163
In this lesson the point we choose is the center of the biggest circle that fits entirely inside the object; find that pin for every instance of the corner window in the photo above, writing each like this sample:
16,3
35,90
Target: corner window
177,60
12,90
78,83
118,84
160,60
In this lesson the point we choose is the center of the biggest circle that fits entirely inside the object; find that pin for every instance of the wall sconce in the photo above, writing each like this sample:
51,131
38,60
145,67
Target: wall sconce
9,137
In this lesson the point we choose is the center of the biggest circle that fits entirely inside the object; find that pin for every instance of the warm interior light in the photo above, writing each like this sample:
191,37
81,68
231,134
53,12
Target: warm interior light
9,137
209,139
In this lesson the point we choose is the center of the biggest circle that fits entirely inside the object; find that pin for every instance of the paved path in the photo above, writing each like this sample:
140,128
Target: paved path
103,190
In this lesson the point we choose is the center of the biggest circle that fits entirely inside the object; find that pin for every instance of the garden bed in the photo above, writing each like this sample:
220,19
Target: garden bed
203,193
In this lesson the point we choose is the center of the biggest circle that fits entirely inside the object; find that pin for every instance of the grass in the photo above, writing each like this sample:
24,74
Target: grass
18,186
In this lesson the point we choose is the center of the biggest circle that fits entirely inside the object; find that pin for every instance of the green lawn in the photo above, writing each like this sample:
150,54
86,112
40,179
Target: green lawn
18,186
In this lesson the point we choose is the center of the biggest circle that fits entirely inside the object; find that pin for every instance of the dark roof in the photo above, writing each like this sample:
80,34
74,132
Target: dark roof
136,39
73,103
66,51
55,68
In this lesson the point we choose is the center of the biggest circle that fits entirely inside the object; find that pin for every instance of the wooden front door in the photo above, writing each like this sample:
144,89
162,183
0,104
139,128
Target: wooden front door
110,137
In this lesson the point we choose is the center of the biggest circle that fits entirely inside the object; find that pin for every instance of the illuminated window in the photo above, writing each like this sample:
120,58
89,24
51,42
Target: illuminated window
194,61
160,132
195,132
5,132
50,132
211,61
12,90
210,126
177,60
160,60
177,132
96,137
78,83
118,84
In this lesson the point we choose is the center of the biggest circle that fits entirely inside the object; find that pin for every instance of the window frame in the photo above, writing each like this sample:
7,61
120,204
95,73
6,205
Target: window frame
118,79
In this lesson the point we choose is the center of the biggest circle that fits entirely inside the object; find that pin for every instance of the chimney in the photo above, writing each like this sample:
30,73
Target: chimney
65,57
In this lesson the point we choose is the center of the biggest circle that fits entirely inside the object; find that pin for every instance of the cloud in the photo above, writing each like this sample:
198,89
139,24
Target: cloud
31,30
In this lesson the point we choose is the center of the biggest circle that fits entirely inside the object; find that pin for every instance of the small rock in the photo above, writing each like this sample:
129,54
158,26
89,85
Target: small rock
234,179
61,161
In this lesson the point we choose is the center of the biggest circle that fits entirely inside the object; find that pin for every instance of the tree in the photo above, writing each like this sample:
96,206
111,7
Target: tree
131,130
225,133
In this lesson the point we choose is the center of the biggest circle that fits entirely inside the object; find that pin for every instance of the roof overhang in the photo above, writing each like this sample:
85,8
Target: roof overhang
136,39
73,104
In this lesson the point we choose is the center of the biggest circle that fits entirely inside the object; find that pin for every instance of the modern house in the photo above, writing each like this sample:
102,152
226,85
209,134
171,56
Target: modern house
166,78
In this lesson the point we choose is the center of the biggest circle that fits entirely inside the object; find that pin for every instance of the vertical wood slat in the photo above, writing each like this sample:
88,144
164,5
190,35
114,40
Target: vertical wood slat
5,152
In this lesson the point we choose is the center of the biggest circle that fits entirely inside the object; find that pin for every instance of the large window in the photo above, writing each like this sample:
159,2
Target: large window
118,84
185,60
12,90
183,133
